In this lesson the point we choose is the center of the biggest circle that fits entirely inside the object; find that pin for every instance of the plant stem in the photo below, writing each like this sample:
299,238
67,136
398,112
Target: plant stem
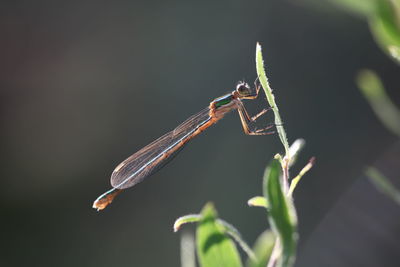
275,253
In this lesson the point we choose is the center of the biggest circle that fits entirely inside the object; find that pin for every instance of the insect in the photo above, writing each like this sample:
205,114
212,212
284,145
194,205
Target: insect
154,156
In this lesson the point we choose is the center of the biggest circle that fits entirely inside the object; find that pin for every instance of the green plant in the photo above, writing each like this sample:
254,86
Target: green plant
383,17
385,110
276,247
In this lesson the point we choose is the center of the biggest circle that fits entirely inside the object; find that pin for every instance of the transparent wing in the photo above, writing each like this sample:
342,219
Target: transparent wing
155,155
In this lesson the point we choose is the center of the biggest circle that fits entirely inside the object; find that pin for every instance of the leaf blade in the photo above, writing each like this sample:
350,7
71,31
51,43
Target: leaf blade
271,98
385,27
383,184
282,215
214,248
258,201
190,218
373,90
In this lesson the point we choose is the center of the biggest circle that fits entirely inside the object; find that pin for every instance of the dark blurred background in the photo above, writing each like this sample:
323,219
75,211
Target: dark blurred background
84,84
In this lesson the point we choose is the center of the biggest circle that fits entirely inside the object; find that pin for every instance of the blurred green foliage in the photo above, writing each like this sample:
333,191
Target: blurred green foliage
374,92
384,20
383,184
262,249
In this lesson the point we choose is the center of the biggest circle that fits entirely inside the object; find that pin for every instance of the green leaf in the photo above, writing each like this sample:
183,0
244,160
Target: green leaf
235,234
270,98
294,150
281,214
191,218
262,249
303,171
214,248
359,7
372,89
258,201
383,184
385,26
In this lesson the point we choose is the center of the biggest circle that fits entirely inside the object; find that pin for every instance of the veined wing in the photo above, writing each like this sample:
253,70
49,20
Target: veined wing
154,156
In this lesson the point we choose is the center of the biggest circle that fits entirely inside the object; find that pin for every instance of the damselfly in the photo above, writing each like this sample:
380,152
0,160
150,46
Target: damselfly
154,156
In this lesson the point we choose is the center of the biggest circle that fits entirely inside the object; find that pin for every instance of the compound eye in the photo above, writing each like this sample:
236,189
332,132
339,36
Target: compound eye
243,89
